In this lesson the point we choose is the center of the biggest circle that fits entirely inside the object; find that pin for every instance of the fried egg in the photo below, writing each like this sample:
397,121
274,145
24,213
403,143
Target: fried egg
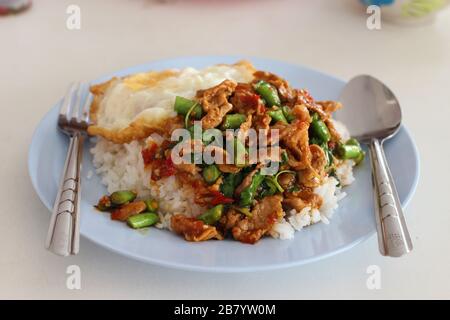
133,107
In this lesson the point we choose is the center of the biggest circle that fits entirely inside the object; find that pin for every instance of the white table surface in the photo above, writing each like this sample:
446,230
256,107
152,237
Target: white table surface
39,57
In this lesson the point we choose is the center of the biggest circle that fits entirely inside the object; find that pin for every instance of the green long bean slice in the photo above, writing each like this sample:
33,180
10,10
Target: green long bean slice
246,211
143,220
211,134
268,93
268,187
188,114
233,121
122,197
104,204
315,116
288,114
351,150
360,157
277,184
345,151
277,115
211,173
353,142
229,184
152,205
240,153
327,151
212,215
249,193
284,158
183,105
320,131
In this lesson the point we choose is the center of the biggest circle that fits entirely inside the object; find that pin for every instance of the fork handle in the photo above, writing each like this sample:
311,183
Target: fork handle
393,236
63,237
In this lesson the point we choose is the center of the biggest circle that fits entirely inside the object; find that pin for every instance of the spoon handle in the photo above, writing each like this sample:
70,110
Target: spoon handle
393,236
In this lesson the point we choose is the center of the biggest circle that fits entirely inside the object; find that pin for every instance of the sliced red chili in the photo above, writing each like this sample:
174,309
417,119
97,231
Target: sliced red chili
261,109
219,198
250,100
167,168
149,153
162,168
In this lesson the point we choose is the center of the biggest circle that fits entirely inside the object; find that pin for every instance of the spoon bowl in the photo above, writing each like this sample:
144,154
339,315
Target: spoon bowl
380,111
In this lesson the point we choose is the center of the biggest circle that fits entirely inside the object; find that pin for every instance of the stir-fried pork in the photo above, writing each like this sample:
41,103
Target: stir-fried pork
215,103
193,229
263,216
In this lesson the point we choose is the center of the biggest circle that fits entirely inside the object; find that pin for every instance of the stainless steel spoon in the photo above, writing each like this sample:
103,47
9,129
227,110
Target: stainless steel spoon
372,114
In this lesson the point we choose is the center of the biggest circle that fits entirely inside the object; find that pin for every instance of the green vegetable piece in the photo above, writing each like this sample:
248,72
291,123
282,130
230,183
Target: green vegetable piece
104,204
248,194
191,131
320,130
315,117
268,187
277,115
152,205
344,151
314,140
240,153
284,157
143,220
274,183
328,153
275,179
229,184
197,112
353,142
102,207
288,114
192,112
212,215
121,197
195,131
245,211
294,188
268,93
233,121
196,158
360,157
183,105
209,135
211,173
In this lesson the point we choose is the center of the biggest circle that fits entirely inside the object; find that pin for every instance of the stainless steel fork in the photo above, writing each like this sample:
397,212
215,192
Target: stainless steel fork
63,237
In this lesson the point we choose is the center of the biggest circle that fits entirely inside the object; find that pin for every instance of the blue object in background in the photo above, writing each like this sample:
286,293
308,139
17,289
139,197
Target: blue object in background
377,2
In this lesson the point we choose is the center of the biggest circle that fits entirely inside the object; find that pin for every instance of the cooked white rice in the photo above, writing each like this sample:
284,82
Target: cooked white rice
330,193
